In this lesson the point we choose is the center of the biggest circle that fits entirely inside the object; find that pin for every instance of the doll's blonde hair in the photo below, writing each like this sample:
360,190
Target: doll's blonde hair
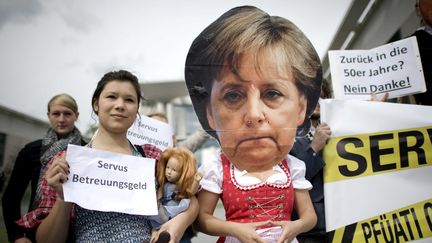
187,170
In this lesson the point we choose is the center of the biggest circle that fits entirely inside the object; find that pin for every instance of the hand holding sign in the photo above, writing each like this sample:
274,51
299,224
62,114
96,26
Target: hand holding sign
57,173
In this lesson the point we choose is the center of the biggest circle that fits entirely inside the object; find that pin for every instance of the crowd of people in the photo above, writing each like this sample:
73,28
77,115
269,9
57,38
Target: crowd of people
254,80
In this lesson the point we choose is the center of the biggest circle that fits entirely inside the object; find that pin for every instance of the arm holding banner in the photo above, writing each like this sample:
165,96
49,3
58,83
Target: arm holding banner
321,136
195,140
382,99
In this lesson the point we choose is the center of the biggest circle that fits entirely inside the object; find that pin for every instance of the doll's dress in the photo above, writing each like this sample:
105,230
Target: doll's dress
170,206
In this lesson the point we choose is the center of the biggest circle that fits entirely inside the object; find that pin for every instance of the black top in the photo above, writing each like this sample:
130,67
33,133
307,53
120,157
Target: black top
424,41
314,173
26,170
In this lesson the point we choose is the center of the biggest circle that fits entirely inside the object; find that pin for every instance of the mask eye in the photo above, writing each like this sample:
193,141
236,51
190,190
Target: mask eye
272,94
232,97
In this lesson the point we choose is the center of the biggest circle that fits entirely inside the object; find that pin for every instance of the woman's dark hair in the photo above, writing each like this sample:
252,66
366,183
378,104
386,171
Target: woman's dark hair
121,75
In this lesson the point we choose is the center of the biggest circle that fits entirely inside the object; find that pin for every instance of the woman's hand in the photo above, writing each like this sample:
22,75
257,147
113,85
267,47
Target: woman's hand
246,232
174,230
307,218
289,232
57,174
23,240
177,225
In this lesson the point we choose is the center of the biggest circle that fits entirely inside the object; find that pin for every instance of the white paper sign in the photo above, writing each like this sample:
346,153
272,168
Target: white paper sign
110,182
377,178
146,130
394,68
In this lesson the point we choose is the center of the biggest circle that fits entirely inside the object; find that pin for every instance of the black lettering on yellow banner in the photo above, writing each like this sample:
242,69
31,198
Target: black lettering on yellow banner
349,157
403,225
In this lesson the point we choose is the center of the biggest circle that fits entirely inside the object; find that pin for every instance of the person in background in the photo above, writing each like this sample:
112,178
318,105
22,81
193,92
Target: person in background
309,149
62,114
254,80
424,41
115,101
159,116
192,142
163,118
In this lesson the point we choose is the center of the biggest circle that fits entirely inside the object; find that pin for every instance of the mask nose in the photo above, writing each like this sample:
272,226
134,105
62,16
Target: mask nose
254,114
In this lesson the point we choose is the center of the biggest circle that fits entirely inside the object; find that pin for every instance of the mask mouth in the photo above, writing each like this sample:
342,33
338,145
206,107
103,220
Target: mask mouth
251,138
255,141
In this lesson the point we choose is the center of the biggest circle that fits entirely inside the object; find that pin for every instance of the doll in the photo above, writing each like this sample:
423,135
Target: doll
177,180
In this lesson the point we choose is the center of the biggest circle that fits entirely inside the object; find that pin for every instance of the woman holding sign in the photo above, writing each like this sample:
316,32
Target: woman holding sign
116,101
254,80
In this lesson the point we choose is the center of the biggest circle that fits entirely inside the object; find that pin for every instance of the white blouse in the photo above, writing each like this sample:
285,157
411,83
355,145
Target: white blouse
212,175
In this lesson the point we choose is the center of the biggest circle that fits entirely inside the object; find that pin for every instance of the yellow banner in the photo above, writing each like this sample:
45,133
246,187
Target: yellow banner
403,225
354,156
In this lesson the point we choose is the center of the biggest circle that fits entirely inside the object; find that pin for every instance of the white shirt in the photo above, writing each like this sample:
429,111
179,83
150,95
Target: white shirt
212,175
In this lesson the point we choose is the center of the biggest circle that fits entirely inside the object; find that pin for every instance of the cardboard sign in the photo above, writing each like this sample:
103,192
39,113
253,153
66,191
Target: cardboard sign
378,171
394,68
146,130
110,182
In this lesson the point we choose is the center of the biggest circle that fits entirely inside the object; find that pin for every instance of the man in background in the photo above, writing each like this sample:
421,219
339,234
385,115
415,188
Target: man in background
424,41
309,149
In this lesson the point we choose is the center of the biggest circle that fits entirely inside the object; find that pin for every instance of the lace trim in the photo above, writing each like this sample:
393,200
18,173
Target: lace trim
285,169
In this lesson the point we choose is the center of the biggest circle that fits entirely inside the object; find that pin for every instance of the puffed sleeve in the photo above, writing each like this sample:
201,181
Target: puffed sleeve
298,170
212,175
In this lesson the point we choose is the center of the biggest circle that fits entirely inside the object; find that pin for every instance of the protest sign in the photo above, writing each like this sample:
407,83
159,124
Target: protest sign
146,130
378,171
394,68
110,182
